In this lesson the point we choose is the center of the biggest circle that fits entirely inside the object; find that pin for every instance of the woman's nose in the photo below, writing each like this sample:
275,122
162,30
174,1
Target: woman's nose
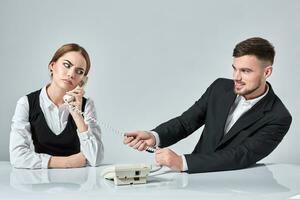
71,73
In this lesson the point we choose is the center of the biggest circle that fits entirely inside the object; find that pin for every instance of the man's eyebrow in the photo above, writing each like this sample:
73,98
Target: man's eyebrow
69,62
243,68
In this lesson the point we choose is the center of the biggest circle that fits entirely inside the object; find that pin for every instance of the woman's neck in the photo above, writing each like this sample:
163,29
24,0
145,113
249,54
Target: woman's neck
55,94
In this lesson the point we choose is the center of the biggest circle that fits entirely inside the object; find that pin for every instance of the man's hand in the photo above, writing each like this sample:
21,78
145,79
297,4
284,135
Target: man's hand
139,140
167,157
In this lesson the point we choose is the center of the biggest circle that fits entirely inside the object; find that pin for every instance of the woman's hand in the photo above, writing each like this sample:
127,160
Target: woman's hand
76,160
75,108
77,94
72,161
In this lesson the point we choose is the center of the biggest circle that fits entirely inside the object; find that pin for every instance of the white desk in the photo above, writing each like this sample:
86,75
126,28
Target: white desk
270,181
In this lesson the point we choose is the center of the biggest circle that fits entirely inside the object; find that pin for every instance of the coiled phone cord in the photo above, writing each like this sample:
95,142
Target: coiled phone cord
103,124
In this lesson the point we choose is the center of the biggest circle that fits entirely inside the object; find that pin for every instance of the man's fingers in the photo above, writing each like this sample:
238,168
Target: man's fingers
159,150
131,134
127,139
137,145
133,142
142,147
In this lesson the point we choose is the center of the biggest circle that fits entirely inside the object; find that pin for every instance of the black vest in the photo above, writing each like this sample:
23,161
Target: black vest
44,140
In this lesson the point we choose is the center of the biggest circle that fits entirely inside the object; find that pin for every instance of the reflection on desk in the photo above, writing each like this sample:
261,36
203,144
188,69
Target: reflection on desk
263,181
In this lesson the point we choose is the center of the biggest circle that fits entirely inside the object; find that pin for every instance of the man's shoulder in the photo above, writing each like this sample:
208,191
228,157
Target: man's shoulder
275,107
222,83
280,108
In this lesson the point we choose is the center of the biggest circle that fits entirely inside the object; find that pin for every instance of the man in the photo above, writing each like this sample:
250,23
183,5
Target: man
243,119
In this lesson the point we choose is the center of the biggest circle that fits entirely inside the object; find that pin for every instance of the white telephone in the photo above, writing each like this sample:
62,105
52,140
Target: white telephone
127,174
68,99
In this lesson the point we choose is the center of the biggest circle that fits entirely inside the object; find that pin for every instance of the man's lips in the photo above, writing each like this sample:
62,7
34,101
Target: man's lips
238,85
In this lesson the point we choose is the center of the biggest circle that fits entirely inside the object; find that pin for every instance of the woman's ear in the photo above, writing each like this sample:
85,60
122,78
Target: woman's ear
50,67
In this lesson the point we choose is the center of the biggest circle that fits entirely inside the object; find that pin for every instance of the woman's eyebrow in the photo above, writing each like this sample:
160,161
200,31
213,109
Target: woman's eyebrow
69,62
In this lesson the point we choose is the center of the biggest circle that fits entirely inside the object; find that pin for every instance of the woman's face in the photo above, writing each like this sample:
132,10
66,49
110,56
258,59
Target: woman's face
68,70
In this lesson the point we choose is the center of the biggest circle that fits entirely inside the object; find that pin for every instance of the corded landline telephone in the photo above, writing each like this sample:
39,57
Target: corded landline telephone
121,174
68,99
128,174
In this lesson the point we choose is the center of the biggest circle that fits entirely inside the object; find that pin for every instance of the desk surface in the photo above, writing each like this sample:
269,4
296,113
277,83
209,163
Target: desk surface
264,181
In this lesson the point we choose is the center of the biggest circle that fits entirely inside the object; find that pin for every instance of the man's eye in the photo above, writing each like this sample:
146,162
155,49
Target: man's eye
67,65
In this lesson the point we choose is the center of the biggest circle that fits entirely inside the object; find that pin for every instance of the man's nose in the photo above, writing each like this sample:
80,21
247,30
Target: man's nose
237,75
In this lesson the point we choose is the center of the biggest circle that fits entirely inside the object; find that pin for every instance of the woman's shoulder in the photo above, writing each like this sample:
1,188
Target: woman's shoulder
23,100
34,93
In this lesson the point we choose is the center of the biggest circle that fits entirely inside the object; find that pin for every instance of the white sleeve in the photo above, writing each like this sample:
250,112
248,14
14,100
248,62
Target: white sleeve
90,141
21,149
184,164
157,140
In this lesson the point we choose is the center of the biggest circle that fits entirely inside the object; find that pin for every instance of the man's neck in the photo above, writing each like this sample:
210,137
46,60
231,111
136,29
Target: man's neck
257,93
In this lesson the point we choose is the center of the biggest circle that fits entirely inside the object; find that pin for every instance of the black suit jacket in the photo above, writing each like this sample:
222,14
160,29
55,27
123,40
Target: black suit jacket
254,136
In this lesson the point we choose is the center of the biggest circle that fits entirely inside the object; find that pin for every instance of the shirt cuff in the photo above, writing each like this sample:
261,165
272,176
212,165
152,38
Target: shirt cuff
45,161
157,141
83,135
184,164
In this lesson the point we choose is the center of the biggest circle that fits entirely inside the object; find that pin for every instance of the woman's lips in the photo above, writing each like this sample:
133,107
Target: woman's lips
67,81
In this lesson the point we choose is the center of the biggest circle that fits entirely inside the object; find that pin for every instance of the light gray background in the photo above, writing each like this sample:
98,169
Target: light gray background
151,60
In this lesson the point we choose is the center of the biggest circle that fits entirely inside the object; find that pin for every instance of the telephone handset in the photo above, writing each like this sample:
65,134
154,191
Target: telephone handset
82,83
68,99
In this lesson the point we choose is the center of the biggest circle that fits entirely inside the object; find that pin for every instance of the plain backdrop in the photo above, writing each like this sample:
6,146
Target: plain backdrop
151,60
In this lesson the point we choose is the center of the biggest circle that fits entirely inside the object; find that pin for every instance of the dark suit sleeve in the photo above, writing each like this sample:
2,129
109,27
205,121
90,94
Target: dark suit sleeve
253,149
182,126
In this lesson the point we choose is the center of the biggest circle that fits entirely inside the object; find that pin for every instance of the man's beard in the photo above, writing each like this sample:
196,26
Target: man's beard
246,92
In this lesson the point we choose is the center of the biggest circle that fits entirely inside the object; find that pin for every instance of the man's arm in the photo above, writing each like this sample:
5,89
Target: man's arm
182,126
253,149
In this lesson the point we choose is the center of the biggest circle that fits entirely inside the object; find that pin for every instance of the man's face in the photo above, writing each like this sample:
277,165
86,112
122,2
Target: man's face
249,76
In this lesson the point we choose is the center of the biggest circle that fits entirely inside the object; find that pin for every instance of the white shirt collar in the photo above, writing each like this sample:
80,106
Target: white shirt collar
44,96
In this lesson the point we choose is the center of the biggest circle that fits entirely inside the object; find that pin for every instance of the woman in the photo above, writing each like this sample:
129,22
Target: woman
46,132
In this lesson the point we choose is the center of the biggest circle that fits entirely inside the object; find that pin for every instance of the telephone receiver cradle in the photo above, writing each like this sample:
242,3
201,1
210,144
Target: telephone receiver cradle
127,174
82,83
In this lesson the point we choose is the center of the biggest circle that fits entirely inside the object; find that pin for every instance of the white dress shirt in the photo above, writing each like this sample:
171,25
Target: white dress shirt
239,107
22,154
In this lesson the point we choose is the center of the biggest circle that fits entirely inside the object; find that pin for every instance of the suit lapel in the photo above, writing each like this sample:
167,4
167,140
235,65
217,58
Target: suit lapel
244,121
251,116
226,102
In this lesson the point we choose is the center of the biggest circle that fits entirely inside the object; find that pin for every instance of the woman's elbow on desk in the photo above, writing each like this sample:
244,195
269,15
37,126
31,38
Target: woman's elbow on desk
97,158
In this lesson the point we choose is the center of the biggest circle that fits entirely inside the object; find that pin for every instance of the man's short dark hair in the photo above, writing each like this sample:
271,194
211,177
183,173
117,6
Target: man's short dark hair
256,46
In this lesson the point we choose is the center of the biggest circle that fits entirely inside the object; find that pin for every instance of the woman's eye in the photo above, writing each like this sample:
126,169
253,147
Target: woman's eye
67,65
79,72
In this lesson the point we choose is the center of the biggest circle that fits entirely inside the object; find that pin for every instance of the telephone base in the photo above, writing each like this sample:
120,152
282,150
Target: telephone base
130,181
129,174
